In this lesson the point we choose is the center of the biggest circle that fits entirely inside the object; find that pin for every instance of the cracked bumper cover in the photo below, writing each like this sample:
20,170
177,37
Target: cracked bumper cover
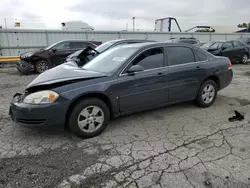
24,66
36,115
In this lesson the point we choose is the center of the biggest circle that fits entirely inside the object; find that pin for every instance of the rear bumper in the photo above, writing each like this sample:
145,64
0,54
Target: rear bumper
24,66
31,115
226,79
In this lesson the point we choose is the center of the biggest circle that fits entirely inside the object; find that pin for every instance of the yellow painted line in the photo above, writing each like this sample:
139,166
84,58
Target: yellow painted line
9,58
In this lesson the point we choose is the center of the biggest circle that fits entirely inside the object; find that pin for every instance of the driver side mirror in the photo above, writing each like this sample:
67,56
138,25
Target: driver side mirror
223,48
53,50
135,68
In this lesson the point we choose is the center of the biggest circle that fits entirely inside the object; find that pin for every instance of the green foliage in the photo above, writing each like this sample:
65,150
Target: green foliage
205,30
245,25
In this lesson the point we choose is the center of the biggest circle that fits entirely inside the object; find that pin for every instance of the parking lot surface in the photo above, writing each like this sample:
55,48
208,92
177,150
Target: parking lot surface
172,147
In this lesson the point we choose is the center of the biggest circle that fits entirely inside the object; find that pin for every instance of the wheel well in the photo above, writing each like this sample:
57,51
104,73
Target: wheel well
215,79
39,59
100,96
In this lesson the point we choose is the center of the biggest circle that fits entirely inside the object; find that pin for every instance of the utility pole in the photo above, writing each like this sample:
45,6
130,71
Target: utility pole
5,22
133,23
126,26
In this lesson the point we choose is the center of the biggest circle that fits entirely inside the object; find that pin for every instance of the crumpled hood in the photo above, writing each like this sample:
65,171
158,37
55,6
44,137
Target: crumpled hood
29,53
65,72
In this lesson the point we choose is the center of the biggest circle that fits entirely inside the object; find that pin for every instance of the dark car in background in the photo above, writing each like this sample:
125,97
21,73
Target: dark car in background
191,40
83,56
235,50
51,56
122,80
244,40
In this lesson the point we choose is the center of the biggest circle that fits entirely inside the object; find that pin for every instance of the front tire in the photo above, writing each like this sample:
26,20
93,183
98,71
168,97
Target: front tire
207,94
42,66
89,118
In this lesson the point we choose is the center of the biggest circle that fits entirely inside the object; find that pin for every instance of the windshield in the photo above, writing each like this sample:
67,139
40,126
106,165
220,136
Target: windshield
207,45
76,53
104,46
216,45
50,46
110,60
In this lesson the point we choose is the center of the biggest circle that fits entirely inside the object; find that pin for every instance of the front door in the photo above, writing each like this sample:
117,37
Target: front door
185,73
60,52
146,88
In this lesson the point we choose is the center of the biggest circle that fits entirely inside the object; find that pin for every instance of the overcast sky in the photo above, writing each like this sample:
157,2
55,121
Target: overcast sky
115,14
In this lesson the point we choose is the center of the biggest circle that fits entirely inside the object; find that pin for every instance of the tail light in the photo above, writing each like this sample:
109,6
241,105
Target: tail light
229,64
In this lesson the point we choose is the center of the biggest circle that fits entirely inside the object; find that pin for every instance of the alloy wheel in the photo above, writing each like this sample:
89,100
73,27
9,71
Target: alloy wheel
90,119
208,93
42,67
245,58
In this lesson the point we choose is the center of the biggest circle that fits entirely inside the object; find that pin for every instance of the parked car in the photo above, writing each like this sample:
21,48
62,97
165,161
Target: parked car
244,40
235,50
83,56
190,40
51,56
119,81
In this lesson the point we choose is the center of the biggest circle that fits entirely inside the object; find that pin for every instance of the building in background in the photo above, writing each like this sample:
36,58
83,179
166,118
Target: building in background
76,26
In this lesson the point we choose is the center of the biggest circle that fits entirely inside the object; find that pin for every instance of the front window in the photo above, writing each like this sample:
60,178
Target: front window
110,60
62,46
104,46
150,59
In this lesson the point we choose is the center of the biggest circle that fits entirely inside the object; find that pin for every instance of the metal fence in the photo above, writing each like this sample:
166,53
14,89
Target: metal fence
16,41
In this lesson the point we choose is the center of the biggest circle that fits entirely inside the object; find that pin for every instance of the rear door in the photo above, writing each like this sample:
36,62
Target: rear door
228,50
239,50
186,71
146,88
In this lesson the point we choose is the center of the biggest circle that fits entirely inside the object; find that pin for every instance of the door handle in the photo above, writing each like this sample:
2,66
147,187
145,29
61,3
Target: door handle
160,74
198,68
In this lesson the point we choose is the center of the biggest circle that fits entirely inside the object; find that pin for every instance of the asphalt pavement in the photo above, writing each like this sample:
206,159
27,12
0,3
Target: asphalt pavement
173,147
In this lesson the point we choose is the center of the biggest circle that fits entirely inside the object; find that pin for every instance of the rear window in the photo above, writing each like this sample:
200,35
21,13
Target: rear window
187,41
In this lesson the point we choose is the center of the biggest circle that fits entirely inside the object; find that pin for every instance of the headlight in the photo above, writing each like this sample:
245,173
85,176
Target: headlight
41,97
27,55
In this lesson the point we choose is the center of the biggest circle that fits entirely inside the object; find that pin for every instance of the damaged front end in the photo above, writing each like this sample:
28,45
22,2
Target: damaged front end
24,66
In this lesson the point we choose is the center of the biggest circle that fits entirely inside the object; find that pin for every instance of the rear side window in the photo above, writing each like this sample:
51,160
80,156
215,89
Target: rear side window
150,59
200,56
180,55
194,42
78,45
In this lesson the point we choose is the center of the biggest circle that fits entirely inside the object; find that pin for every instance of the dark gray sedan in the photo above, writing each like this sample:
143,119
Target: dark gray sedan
122,80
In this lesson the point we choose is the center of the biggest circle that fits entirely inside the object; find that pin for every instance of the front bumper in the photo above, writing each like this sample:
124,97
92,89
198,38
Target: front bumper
24,66
36,115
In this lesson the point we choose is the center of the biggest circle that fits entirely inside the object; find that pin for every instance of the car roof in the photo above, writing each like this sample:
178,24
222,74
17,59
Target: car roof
139,40
147,45
154,44
75,40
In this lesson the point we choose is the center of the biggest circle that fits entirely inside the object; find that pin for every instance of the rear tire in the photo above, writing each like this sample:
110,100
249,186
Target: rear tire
89,118
245,58
42,66
207,94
